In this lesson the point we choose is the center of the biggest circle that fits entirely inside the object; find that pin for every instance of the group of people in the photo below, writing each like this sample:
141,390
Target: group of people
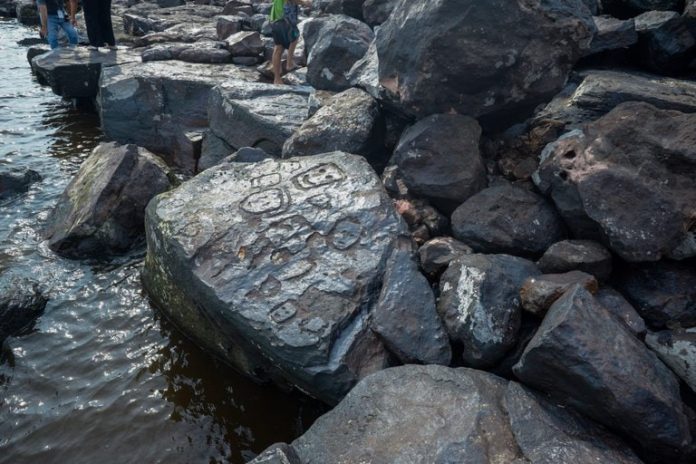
55,18
284,19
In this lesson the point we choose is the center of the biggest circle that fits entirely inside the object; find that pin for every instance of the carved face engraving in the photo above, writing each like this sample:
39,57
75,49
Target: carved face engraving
272,201
345,234
322,201
269,180
324,174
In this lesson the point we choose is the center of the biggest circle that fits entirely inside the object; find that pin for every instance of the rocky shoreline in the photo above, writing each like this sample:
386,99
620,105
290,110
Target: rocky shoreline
470,226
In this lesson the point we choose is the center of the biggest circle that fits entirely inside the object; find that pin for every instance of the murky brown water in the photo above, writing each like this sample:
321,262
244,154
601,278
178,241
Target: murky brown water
102,378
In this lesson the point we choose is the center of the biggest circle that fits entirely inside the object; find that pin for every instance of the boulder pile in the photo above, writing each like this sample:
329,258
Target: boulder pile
470,225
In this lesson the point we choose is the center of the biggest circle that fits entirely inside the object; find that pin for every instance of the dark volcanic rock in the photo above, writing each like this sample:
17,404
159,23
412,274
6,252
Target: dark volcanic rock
591,361
595,176
101,212
15,181
548,434
27,13
663,293
423,220
352,8
630,8
612,34
228,25
406,319
480,304
581,255
8,9
375,12
245,43
415,414
501,75
21,302
507,219
622,309
145,17
276,267
436,254
74,72
245,114
432,414
156,105
539,293
181,33
665,43
338,45
438,158
350,121
677,348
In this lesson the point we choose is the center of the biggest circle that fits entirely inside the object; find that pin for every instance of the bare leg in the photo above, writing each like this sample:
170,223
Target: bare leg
277,57
291,56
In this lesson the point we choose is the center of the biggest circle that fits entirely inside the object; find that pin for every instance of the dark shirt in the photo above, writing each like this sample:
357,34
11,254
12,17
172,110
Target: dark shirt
292,12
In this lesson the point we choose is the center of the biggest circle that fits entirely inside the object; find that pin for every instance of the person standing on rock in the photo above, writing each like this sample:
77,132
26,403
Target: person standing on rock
284,18
54,18
98,20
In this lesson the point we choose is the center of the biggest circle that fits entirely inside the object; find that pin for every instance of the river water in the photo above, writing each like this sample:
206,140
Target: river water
102,378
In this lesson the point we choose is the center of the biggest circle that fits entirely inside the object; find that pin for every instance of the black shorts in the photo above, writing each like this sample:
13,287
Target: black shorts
284,32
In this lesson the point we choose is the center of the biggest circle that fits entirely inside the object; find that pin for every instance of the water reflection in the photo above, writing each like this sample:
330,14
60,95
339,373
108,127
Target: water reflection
102,378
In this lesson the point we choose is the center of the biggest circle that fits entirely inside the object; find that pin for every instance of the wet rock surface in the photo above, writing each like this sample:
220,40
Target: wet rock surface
15,181
156,104
595,175
507,219
521,68
589,360
101,213
21,304
245,114
290,297
74,72
480,304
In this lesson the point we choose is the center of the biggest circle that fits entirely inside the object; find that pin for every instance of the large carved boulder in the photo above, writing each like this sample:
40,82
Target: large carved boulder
595,176
511,55
277,266
102,210
433,414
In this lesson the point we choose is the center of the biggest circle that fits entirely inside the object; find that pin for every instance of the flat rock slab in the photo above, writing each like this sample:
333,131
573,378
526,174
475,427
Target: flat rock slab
74,72
433,414
246,114
157,104
276,266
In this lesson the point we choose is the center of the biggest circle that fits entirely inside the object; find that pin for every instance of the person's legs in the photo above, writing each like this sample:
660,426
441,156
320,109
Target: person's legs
291,56
53,26
277,57
70,32
91,11
105,26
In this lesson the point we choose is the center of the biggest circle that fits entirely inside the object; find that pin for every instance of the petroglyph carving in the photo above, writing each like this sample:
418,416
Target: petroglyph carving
283,312
273,201
268,180
324,174
345,234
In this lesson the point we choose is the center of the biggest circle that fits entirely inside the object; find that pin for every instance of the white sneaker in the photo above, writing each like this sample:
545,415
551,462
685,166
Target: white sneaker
92,47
